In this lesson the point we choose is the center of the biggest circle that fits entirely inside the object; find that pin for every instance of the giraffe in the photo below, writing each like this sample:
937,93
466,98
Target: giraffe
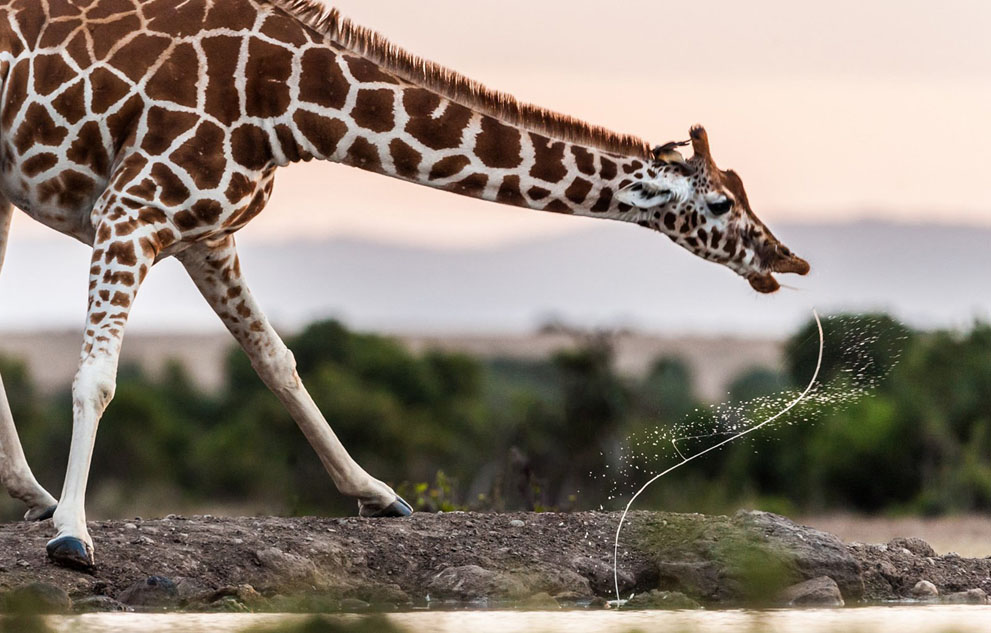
149,129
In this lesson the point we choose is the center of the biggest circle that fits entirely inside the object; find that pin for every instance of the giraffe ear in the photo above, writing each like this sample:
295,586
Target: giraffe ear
644,195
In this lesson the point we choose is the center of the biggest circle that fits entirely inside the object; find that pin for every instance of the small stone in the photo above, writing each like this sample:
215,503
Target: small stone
911,546
189,589
540,602
353,605
573,598
818,592
130,526
154,591
516,523
972,596
471,582
924,589
97,604
227,604
657,599
380,594
35,599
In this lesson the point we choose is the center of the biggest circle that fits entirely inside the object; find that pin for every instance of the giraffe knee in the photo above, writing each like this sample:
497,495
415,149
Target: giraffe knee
278,370
94,386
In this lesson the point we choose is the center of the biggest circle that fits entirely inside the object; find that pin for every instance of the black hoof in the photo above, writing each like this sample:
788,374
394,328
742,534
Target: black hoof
398,508
47,513
69,551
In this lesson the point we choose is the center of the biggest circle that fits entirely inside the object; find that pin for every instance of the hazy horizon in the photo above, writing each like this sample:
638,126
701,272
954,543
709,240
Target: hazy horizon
606,275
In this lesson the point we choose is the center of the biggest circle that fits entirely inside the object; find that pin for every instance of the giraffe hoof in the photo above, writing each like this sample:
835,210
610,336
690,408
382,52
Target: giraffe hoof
396,509
40,514
68,551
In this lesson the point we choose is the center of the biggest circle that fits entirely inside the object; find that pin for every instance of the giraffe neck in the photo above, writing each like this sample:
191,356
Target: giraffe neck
349,110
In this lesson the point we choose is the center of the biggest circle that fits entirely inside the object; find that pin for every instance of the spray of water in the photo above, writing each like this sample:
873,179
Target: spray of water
732,438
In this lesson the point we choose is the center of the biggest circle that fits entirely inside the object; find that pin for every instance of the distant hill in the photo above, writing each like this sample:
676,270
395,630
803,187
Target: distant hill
929,276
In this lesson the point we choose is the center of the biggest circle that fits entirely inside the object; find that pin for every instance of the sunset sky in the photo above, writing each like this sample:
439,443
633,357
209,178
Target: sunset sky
835,111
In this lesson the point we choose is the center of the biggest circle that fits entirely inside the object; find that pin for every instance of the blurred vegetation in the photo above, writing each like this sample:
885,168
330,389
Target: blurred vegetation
454,432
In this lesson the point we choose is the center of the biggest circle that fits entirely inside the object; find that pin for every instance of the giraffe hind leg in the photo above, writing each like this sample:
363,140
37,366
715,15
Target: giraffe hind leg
217,273
15,474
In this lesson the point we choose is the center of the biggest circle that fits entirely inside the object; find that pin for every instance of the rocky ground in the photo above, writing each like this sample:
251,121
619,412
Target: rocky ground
541,561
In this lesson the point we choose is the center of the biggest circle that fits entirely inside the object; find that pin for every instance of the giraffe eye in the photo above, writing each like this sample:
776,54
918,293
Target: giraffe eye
721,208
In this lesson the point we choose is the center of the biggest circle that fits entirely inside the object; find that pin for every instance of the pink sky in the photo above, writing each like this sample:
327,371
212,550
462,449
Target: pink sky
830,112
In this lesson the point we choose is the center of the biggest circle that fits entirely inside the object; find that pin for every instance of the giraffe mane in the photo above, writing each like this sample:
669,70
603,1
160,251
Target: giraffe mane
456,86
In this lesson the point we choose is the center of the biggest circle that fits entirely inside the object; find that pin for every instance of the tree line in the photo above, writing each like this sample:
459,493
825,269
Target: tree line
566,432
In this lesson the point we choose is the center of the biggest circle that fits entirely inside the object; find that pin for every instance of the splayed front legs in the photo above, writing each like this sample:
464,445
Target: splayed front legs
15,474
217,273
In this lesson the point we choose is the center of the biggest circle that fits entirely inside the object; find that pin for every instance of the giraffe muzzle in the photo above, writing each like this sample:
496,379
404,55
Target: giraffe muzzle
784,262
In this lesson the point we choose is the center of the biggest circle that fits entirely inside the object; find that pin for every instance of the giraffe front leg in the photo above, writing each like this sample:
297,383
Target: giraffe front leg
15,474
217,273
118,266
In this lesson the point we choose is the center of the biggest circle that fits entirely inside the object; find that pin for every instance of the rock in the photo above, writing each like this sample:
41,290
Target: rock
914,546
924,589
540,602
749,558
656,599
600,575
818,592
245,595
812,553
36,598
286,569
227,604
154,591
380,595
972,596
97,604
471,582
553,579
189,589
353,605
516,523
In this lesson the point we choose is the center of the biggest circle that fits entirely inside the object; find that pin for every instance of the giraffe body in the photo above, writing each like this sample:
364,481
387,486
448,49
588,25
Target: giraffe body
153,128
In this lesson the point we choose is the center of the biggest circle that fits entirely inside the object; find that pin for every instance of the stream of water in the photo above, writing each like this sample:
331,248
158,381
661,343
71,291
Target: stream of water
894,619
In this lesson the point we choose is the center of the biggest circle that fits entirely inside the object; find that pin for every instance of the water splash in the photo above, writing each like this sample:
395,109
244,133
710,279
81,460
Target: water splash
736,434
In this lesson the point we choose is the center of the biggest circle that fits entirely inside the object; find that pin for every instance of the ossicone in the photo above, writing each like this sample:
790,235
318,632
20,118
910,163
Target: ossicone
700,142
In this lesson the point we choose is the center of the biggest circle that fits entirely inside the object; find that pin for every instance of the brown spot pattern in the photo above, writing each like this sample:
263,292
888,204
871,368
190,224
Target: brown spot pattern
498,145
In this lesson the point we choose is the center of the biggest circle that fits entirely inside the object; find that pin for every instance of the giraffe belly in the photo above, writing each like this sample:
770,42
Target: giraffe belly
71,219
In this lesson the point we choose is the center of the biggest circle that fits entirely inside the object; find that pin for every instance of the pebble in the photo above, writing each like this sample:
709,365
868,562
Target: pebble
924,589
154,591
516,523
97,604
817,592
973,596
352,605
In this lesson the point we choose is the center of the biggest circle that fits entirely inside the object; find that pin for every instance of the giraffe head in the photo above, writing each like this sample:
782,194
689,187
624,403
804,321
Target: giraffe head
705,209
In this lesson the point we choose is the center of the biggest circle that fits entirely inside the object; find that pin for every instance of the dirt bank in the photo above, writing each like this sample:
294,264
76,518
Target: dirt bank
317,564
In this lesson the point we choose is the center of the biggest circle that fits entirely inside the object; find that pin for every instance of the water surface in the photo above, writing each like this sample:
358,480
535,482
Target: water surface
900,619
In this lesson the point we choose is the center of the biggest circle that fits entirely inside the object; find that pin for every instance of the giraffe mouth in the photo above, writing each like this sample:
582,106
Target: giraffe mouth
786,262
764,283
